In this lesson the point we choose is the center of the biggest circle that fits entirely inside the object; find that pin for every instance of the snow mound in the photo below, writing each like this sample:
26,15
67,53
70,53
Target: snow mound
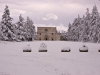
43,47
66,49
84,48
27,48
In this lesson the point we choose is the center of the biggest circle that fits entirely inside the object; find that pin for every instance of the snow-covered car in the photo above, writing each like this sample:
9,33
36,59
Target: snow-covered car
43,48
66,49
27,48
84,48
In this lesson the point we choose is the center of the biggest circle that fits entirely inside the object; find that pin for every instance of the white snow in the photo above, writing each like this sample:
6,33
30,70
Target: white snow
43,46
13,61
84,48
27,47
66,48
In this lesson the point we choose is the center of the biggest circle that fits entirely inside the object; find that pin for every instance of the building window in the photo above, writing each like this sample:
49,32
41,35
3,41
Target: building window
39,38
52,38
40,33
46,30
46,39
52,33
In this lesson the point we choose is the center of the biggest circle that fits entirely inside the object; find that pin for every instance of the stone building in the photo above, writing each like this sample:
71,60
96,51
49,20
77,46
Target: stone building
48,33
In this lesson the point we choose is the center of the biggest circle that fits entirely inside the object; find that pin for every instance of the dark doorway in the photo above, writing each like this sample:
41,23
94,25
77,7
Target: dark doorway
46,38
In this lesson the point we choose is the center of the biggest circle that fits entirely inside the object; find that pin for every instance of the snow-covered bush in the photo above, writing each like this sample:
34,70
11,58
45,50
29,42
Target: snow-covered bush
66,49
84,48
63,36
43,47
27,48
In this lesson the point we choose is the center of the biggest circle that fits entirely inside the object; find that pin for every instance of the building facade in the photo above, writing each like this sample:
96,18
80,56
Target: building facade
48,33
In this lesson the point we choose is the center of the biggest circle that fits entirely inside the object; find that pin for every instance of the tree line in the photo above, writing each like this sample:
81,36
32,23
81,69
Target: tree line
87,28
20,31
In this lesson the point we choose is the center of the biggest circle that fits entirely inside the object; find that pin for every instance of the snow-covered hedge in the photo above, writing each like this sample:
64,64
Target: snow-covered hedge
43,47
66,49
27,48
84,48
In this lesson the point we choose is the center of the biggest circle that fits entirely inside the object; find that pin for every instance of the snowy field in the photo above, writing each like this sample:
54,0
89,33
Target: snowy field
13,61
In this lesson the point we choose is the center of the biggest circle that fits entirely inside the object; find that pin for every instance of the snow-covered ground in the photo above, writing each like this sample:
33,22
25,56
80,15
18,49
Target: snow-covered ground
13,61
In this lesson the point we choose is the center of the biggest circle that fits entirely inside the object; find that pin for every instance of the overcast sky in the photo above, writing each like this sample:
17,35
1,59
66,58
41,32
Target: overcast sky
57,13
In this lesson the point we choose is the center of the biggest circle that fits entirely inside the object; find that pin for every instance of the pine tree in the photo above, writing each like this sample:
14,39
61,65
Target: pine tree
20,30
7,26
30,29
94,18
73,31
86,28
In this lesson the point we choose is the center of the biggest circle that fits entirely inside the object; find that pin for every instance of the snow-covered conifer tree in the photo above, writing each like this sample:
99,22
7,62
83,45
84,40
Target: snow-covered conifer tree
7,26
94,20
20,29
30,29
86,28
